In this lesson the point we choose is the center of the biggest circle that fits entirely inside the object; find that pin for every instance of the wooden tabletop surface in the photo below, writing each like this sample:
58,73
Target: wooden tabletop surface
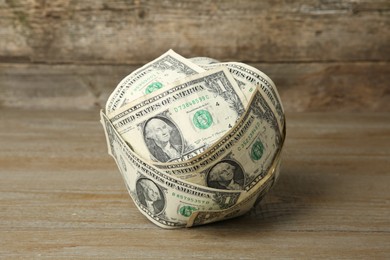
62,196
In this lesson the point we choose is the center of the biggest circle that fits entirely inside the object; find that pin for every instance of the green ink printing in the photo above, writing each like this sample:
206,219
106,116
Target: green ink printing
257,150
186,211
153,87
202,119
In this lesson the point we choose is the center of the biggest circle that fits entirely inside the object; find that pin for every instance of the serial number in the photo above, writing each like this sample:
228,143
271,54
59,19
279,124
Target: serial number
191,103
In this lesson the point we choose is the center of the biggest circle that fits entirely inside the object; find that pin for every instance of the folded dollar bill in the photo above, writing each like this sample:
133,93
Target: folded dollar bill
152,76
196,140
180,121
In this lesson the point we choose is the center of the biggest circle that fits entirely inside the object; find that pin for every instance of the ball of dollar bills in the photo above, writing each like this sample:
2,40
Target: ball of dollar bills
196,140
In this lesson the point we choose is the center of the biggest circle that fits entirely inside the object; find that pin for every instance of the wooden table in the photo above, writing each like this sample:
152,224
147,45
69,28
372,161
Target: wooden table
61,195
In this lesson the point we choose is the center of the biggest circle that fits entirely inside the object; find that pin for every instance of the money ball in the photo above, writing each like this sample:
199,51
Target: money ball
195,140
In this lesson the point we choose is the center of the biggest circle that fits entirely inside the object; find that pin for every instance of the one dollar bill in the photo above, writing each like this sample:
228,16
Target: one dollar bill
154,75
248,78
242,207
180,122
241,158
165,200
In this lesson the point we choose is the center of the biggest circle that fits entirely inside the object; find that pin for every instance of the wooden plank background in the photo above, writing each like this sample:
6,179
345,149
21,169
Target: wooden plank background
62,196
322,55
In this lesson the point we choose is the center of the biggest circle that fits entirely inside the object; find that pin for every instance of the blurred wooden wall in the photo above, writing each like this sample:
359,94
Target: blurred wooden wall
323,55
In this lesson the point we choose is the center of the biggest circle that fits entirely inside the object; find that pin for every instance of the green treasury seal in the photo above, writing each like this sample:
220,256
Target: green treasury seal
186,211
257,150
152,87
202,119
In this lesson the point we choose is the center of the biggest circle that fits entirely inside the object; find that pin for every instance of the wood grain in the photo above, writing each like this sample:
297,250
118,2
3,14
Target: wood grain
314,87
134,32
61,195
322,55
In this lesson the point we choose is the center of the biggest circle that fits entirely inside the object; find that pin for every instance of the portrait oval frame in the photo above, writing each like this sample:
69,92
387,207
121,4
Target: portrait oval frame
139,189
239,172
177,139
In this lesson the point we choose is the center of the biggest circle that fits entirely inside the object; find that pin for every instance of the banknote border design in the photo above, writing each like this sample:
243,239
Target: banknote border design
203,217
225,199
161,64
268,116
278,106
260,110
257,74
233,95
139,162
113,101
230,95
112,136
